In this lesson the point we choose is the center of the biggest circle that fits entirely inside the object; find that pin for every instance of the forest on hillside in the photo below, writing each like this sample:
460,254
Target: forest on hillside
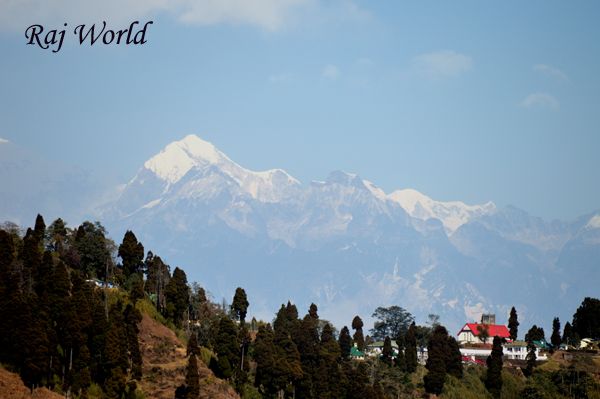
71,300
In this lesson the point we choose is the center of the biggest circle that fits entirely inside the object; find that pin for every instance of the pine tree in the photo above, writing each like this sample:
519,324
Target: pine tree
240,304
535,333
454,364
410,352
400,357
264,355
328,375
227,347
386,353
306,338
513,324
132,318
115,351
436,362
493,380
531,359
359,339
132,254
567,336
192,346
192,378
345,342
555,338
586,320
39,230
177,295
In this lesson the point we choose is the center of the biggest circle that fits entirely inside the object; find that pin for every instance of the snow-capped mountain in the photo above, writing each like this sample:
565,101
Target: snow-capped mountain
452,214
347,245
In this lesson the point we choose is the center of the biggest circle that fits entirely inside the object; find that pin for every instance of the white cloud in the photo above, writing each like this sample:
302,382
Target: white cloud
2,141
331,72
540,100
442,64
550,71
266,14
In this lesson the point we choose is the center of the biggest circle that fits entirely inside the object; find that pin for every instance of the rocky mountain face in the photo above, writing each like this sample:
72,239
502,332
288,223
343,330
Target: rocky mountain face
346,245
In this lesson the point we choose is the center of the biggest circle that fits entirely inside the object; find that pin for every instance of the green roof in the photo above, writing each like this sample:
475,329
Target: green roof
356,353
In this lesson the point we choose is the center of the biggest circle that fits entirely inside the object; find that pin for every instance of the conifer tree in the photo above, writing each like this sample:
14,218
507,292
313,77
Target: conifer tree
555,338
535,333
436,361
493,379
410,352
115,359
132,318
177,295
192,378
192,346
39,230
227,347
326,380
359,338
567,336
454,365
131,253
266,379
307,340
586,320
400,360
513,324
240,304
531,359
345,342
386,353
57,235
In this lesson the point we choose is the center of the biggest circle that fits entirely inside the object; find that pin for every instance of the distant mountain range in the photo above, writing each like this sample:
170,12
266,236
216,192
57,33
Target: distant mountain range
346,245
350,247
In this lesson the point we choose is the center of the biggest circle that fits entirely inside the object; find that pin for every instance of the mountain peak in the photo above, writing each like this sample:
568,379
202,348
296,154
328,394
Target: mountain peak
178,157
453,214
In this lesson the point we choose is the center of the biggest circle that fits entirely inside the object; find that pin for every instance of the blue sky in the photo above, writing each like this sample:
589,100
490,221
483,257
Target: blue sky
460,100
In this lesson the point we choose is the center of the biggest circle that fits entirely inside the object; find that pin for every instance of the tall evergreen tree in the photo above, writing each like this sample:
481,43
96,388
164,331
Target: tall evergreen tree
436,361
513,324
345,342
493,379
454,365
131,253
410,351
268,374
39,230
555,338
240,304
227,347
192,378
386,353
567,336
132,318
400,360
531,359
359,338
177,295
326,380
586,320
535,333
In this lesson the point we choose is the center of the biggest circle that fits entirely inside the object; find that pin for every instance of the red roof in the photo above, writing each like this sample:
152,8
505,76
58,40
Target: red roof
493,330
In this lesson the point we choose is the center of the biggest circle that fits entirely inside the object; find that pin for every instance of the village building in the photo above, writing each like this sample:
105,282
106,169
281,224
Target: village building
471,333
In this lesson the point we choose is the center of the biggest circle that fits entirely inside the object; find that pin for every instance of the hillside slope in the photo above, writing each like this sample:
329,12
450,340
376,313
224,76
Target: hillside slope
12,387
164,365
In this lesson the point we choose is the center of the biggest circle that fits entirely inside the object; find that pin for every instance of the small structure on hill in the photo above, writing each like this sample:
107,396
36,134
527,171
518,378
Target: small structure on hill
474,333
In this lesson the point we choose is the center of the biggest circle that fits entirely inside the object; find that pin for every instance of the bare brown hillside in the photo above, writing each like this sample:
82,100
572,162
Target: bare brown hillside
12,387
164,364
